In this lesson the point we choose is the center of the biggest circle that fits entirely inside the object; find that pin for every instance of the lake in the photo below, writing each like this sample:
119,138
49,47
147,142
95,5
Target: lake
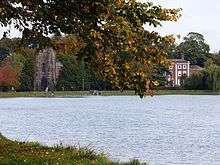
162,130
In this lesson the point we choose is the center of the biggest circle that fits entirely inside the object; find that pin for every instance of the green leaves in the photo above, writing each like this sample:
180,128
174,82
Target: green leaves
194,49
107,28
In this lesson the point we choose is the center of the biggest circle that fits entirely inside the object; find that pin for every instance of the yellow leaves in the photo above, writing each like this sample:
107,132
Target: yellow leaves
170,14
119,3
169,39
155,83
68,44
126,66
150,50
96,35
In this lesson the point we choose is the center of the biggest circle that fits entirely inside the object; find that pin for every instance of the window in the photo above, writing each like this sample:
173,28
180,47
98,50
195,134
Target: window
184,66
184,72
43,67
171,67
178,81
179,73
179,66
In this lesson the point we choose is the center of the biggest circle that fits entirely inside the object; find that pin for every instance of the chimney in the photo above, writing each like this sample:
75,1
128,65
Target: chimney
183,57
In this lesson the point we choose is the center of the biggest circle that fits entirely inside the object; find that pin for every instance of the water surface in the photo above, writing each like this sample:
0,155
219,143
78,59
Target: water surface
164,130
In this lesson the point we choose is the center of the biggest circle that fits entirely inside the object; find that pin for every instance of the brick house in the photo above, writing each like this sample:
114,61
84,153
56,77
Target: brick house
178,69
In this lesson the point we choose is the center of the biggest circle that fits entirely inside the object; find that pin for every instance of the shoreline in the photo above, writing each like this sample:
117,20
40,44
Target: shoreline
81,94
14,152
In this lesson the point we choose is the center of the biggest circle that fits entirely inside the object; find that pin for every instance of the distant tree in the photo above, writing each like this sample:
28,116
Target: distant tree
68,78
76,75
3,54
213,76
10,44
193,49
159,74
196,81
8,75
208,79
28,71
216,58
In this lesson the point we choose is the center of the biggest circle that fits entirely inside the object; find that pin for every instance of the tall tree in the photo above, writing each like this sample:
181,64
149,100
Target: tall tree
8,46
3,54
8,75
27,57
107,27
194,49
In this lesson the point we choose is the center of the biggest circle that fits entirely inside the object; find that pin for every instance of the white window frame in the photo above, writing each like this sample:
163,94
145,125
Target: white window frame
179,73
179,66
184,66
178,81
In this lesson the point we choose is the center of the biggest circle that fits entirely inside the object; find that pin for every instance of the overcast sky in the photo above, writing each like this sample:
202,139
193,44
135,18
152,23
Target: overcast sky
201,16
197,16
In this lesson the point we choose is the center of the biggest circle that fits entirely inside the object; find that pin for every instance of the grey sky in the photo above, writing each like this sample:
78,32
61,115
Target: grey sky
197,16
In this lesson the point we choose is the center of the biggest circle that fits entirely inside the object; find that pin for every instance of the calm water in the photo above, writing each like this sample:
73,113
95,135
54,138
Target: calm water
163,130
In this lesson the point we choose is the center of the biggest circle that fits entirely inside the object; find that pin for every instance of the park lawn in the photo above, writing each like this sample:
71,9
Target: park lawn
13,153
63,94
104,93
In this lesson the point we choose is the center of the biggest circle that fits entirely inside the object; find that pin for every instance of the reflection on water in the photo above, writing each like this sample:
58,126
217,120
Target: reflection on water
164,130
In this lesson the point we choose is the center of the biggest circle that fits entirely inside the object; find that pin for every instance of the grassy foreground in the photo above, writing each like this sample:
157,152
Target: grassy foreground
13,153
104,93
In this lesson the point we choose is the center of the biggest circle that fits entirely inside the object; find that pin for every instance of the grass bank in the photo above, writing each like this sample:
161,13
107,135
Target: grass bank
104,93
13,153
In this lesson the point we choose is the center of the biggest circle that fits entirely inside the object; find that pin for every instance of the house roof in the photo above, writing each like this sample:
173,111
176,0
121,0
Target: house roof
178,60
196,67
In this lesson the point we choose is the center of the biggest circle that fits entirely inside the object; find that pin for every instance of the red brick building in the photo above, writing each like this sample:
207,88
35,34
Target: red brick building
178,69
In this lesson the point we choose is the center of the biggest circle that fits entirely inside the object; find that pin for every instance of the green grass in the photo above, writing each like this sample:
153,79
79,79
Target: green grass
104,93
63,94
186,92
18,153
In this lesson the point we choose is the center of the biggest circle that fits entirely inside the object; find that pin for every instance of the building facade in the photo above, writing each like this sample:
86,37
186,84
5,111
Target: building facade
47,70
178,69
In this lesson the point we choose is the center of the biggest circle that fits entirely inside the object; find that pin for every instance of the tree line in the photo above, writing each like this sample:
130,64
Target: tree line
17,59
17,67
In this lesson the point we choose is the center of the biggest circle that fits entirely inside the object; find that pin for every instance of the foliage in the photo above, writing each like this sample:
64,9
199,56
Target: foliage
21,65
107,28
194,49
10,44
216,58
13,152
28,70
67,45
159,74
8,75
213,77
196,82
3,54
208,79
17,62
76,75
